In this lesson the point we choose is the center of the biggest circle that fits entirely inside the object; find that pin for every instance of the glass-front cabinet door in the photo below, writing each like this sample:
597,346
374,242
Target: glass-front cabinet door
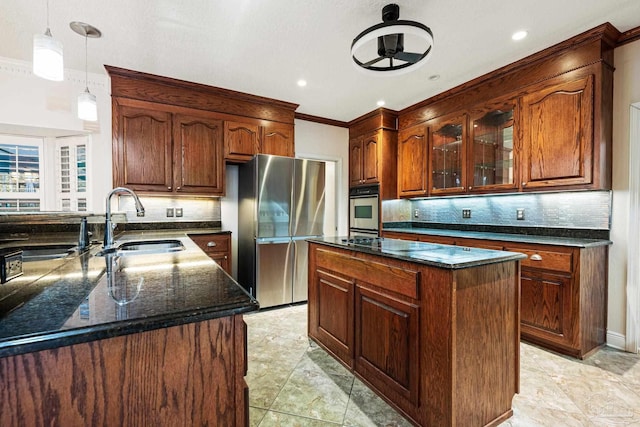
492,148
447,141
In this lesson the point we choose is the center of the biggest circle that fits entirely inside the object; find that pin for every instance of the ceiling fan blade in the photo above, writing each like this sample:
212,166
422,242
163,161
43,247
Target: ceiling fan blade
373,61
408,57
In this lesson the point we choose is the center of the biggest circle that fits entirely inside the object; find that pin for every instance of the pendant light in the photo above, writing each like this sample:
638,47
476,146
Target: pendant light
47,55
87,104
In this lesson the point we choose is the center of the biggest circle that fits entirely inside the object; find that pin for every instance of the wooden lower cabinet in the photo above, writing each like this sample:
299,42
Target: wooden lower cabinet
217,246
387,326
186,375
563,304
440,345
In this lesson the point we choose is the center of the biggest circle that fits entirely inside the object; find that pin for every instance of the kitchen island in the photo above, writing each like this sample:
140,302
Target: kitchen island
433,329
143,339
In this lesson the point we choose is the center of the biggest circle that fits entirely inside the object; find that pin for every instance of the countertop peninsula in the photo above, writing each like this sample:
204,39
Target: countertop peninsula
70,300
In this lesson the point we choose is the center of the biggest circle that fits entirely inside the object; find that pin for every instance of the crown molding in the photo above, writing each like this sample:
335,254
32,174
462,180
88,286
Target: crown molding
18,68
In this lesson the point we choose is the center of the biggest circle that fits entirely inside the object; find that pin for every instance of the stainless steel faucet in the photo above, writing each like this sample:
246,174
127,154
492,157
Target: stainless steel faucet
108,226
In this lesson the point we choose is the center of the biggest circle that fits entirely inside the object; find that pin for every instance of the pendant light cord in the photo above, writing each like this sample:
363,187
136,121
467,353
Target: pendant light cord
47,14
86,67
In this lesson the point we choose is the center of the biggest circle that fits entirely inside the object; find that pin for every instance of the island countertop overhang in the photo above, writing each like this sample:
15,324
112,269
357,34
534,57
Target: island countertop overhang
432,254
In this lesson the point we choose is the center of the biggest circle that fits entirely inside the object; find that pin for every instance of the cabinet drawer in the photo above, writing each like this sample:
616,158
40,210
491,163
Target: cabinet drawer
546,260
395,279
212,242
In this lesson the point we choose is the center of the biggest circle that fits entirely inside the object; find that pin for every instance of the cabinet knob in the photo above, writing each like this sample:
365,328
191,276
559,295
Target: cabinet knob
524,184
470,188
225,257
168,188
178,188
211,244
535,257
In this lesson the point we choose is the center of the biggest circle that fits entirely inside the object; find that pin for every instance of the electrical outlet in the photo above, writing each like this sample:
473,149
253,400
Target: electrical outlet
179,212
466,213
416,213
520,214
169,212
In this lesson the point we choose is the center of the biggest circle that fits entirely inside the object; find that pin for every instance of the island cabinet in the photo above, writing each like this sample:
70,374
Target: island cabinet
217,246
160,149
439,344
185,375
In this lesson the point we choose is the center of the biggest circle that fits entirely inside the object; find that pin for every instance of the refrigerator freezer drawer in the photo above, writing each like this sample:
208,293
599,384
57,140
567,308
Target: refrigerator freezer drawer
274,273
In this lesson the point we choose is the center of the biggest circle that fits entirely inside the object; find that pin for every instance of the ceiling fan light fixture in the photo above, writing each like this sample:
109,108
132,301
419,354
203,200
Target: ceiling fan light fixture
392,31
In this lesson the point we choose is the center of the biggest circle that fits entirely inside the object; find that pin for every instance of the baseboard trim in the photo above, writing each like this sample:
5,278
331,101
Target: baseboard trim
616,340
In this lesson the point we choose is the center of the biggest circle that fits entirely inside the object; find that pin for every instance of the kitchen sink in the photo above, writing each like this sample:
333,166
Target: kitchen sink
145,247
47,252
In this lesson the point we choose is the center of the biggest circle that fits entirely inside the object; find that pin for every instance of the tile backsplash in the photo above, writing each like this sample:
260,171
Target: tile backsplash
577,209
193,209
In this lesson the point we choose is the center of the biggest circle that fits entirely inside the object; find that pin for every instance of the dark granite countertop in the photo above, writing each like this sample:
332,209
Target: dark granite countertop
507,237
84,297
436,255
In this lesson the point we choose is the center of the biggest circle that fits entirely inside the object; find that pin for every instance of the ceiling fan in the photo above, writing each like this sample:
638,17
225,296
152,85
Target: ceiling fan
391,57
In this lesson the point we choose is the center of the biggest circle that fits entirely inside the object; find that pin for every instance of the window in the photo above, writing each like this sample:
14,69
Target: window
20,172
71,173
23,186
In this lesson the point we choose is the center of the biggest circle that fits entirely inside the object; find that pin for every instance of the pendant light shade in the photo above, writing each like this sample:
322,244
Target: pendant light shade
47,55
87,103
87,106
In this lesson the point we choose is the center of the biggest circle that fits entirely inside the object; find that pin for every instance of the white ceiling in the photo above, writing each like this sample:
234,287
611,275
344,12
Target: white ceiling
263,47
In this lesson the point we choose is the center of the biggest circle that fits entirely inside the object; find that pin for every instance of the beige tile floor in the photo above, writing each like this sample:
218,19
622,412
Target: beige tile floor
293,382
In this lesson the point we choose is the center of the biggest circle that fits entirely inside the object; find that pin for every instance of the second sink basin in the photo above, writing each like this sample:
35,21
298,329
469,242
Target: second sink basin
47,252
149,247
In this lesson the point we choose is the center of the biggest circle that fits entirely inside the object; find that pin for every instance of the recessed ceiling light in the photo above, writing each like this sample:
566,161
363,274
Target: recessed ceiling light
519,35
302,83
434,77
380,103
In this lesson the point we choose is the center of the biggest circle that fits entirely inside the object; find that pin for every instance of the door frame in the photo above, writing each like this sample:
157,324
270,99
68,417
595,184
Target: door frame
633,247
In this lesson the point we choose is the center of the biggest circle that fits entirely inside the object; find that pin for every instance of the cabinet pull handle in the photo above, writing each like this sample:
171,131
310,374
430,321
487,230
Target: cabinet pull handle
211,244
535,257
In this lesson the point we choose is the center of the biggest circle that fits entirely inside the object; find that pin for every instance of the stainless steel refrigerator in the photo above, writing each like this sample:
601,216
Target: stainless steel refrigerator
280,204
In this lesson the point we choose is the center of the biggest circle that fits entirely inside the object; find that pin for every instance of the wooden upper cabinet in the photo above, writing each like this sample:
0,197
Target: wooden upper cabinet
448,154
198,155
363,159
493,147
355,161
370,144
160,150
412,162
240,141
277,139
142,148
558,135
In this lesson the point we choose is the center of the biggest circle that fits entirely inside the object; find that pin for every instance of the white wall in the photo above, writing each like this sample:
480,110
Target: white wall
31,105
324,142
626,91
